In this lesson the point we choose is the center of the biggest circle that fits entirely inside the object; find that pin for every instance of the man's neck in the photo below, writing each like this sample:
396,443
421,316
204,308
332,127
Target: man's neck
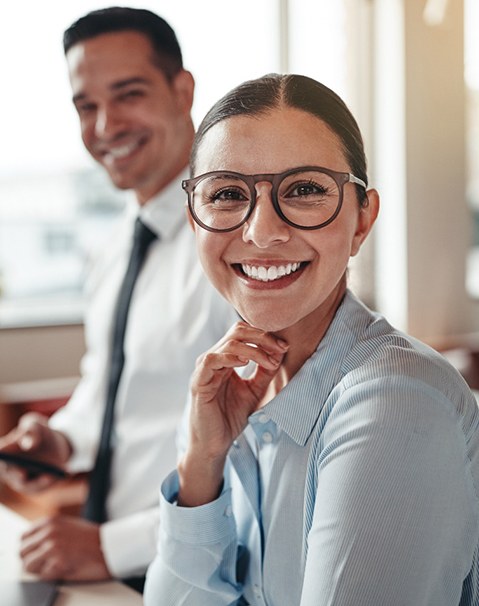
144,195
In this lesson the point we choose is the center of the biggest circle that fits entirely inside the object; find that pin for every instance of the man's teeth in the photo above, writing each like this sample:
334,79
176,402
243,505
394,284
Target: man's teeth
268,274
121,151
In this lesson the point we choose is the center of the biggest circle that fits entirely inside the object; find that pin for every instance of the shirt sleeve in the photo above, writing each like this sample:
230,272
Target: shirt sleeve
196,560
393,519
129,543
86,403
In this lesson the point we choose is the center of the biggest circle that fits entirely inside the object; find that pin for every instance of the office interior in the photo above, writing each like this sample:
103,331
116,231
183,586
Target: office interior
403,70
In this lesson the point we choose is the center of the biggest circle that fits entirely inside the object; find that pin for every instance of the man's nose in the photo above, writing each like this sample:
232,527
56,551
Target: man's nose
108,122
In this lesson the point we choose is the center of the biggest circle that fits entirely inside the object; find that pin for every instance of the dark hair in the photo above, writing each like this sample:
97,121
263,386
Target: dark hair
167,52
257,97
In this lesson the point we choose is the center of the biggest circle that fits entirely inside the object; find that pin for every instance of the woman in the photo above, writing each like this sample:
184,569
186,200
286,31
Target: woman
344,469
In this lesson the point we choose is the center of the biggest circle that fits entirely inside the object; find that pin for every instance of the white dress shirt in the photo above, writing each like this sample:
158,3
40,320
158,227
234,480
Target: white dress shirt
174,316
357,485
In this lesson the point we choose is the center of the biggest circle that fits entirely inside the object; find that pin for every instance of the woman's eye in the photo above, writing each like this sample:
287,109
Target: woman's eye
230,194
227,195
308,189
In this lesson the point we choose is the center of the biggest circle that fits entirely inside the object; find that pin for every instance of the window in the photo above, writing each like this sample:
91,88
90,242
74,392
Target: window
471,63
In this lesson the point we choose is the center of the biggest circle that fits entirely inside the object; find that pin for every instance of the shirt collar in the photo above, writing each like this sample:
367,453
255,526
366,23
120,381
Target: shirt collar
297,407
165,212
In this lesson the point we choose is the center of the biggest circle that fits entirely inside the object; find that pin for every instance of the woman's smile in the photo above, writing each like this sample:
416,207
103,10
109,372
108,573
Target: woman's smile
262,274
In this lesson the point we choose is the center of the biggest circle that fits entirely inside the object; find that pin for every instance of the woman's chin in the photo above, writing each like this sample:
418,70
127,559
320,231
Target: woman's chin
269,322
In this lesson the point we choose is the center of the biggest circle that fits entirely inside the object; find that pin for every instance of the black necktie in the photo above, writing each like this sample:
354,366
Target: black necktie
99,482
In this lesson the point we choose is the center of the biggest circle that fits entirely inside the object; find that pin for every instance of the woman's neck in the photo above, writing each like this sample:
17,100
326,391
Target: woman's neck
303,339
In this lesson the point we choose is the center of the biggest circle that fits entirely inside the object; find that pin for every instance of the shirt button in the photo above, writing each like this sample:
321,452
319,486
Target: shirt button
257,593
263,418
228,511
236,444
267,437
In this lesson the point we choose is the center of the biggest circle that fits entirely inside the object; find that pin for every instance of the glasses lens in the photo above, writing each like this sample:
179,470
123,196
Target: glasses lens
221,201
308,198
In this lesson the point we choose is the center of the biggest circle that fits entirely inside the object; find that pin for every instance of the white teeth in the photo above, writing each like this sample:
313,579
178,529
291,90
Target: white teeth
268,274
121,151
272,273
262,274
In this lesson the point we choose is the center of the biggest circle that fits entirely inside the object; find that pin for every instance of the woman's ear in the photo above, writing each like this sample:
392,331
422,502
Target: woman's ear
366,219
189,217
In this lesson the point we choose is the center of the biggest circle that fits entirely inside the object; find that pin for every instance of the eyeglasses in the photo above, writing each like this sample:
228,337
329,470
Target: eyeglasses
307,197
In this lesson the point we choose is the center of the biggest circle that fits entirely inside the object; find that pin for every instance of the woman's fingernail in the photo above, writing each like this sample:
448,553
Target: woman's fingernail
26,442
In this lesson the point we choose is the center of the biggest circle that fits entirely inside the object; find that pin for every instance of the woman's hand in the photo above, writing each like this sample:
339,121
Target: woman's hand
222,401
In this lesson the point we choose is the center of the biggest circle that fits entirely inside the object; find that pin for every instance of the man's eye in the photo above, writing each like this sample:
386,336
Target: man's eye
85,108
131,94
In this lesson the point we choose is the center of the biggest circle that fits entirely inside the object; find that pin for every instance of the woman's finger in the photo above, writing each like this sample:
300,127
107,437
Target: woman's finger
245,344
245,333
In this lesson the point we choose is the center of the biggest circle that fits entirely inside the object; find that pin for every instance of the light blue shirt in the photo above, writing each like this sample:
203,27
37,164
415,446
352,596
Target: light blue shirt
357,485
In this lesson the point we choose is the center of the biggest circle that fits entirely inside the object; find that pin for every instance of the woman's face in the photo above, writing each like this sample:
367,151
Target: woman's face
314,261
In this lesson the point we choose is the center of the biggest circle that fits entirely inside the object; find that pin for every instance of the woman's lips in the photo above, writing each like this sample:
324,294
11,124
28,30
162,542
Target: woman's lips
270,275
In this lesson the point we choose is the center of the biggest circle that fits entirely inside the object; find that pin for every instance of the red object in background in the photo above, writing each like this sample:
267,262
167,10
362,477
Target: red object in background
44,407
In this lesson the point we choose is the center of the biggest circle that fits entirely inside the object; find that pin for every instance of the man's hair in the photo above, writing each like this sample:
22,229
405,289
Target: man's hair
167,53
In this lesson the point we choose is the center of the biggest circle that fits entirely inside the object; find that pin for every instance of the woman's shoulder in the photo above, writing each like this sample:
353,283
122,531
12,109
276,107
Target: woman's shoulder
390,379
381,351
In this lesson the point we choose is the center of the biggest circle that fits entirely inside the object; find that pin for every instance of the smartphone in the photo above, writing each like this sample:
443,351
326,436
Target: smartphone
33,466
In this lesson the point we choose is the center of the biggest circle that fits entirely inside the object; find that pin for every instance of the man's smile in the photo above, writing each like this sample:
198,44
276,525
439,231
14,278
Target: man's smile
115,153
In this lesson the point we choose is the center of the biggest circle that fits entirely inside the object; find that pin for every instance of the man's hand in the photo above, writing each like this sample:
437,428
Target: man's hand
64,548
33,437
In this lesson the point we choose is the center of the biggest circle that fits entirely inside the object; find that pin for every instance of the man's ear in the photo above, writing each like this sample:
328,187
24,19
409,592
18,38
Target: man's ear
366,219
183,85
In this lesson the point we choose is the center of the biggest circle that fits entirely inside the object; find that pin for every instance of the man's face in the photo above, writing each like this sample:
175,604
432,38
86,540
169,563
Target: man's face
133,121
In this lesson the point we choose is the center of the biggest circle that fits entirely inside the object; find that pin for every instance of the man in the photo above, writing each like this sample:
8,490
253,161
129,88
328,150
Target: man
133,98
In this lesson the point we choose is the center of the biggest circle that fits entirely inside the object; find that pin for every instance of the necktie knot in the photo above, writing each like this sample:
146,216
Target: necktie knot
143,236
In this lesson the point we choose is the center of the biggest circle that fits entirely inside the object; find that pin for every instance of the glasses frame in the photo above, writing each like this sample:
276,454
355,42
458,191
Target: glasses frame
340,178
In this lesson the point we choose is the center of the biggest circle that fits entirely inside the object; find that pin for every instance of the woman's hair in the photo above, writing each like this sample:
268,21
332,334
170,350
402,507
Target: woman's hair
167,53
257,97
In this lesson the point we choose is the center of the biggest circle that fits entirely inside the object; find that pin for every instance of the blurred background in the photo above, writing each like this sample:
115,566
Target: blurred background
408,69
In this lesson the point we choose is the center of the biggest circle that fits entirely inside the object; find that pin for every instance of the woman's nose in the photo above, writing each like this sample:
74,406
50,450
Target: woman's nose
265,227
